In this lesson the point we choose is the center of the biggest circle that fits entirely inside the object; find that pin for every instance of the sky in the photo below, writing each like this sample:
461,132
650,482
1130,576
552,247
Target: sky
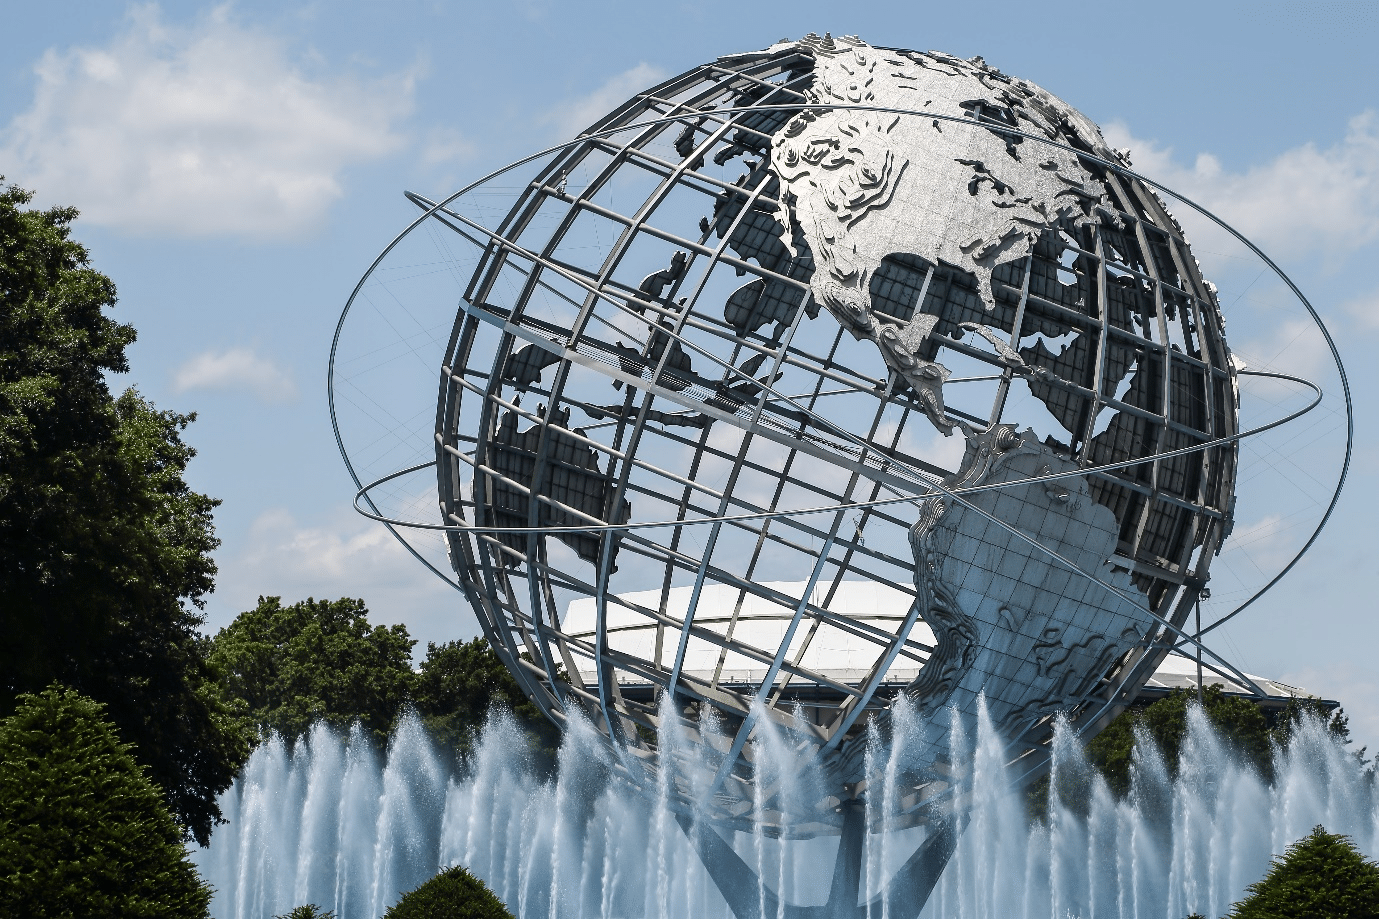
238,166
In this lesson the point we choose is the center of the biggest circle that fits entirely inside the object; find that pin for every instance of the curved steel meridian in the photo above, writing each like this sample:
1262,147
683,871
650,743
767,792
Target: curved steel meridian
599,288
620,567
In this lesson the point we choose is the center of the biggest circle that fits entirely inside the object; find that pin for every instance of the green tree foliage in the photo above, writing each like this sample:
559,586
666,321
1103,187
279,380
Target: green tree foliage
1238,720
83,832
308,911
459,682
292,666
452,894
1286,724
1321,876
1246,728
104,549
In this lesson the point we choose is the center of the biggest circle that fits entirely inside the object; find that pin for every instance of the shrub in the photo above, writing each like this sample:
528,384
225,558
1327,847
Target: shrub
83,832
452,894
1320,876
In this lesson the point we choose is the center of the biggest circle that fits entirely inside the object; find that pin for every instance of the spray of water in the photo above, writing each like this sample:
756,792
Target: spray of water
332,822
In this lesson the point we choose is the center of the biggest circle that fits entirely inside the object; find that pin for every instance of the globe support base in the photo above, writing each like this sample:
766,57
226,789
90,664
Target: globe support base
905,895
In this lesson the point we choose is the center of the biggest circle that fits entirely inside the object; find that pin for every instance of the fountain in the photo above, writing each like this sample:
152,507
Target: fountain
330,822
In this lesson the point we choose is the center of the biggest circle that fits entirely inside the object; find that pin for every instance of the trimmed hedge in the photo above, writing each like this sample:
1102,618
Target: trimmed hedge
83,832
452,894
1321,876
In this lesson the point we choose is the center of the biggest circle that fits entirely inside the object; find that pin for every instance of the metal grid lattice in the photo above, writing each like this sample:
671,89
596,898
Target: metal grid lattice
692,379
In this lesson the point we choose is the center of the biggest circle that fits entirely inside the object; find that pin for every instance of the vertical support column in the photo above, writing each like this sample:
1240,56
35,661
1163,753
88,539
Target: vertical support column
1198,635
910,887
846,889
904,896
733,877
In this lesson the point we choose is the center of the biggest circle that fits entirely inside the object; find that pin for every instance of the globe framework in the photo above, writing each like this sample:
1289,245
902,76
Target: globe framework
810,379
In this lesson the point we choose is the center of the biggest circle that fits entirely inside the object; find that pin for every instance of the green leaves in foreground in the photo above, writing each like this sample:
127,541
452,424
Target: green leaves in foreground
308,911
83,832
1321,876
452,894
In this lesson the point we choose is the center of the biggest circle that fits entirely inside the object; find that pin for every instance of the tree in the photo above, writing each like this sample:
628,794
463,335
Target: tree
308,911
1291,718
104,549
452,894
1321,876
291,666
1238,720
459,682
83,832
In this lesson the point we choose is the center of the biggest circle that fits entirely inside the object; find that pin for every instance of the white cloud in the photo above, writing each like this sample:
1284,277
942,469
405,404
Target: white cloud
236,368
205,130
1365,311
1268,543
300,557
1303,201
347,556
445,144
942,450
577,115
1293,346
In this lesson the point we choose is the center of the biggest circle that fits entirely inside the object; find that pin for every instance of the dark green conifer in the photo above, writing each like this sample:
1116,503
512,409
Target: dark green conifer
83,832
1321,876
452,894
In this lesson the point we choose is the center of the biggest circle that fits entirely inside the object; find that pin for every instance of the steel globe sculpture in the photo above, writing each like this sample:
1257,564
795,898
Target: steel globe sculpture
812,290
821,380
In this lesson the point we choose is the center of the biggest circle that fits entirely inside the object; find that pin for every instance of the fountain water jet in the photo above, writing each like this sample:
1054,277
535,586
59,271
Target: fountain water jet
330,822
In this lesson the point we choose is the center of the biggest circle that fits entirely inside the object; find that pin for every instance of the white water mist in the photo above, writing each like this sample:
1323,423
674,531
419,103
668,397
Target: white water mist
333,823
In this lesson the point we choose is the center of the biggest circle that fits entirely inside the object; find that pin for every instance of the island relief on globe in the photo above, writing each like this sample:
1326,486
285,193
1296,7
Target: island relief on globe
881,171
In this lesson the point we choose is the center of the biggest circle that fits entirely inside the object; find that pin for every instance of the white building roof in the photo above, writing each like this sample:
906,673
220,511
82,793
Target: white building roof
1178,672
840,655
760,623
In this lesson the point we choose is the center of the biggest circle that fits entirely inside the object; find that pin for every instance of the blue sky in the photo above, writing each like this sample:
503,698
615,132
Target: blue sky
239,166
